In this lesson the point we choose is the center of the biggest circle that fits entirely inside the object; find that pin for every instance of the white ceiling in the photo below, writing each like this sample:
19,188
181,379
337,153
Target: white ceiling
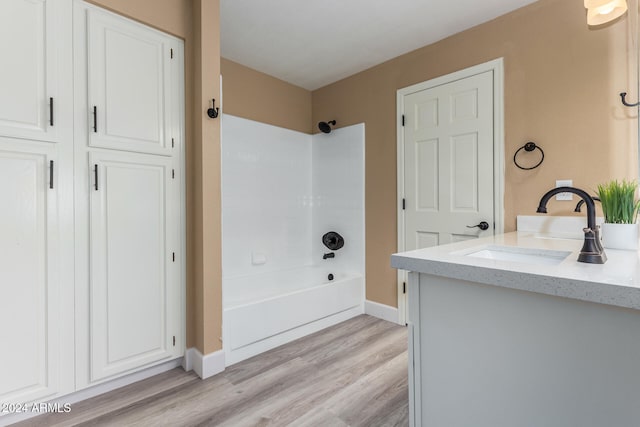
311,43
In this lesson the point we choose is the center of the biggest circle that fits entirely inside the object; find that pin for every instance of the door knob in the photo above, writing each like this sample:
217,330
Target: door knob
484,225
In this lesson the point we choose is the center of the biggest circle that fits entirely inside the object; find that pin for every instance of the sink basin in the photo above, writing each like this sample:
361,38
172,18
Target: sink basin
515,254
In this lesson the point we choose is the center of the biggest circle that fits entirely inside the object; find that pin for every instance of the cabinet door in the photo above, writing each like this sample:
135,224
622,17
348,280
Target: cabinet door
129,85
33,63
134,277
32,302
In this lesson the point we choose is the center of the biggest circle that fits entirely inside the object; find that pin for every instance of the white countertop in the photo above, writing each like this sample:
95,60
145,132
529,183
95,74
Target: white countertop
617,282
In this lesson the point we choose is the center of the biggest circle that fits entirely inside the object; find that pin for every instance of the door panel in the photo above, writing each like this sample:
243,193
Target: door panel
129,83
448,149
425,240
132,275
427,170
28,81
464,173
464,105
29,285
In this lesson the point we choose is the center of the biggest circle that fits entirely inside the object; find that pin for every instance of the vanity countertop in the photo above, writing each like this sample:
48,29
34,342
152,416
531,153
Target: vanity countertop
617,282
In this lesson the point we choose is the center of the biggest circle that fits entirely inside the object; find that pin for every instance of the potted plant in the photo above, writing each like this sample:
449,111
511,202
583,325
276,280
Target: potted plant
620,207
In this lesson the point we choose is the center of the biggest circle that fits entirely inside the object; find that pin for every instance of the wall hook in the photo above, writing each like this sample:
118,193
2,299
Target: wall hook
625,103
213,111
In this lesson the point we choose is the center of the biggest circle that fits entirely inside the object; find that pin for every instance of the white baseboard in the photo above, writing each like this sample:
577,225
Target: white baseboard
381,311
98,389
205,366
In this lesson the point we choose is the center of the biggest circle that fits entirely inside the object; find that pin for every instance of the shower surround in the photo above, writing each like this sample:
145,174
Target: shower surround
281,192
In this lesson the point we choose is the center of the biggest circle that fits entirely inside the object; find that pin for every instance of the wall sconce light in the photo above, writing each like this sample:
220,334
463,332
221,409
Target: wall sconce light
602,11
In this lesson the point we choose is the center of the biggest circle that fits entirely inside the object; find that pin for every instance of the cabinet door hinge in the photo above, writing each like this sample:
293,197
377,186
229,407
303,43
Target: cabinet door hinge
174,340
404,204
404,287
403,120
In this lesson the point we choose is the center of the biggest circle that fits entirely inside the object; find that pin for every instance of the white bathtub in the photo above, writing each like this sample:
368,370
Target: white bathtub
267,310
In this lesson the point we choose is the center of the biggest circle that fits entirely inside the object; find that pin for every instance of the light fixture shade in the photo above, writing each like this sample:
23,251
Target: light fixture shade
603,11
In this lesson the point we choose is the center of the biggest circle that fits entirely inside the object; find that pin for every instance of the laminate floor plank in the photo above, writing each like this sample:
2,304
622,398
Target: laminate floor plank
351,374
343,373
106,403
306,345
349,344
323,383
174,407
318,417
203,405
386,384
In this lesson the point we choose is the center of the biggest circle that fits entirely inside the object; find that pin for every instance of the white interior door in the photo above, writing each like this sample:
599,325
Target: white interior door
31,305
448,159
134,276
32,70
130,71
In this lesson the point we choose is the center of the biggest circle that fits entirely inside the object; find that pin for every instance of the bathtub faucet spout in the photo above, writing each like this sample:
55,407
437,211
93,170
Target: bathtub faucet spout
329,255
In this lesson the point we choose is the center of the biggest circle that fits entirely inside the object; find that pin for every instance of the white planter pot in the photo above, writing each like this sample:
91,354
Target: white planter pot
620,236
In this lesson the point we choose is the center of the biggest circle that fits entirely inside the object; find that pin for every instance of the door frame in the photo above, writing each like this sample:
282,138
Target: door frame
497,67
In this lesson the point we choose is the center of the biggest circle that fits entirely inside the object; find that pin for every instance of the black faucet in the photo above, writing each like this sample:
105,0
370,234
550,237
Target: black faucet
592,251
581,202
329,255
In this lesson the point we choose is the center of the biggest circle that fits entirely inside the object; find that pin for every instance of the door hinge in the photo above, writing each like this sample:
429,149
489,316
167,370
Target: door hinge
404,287
174,257
173,174
171,53
404,204
174,340
403,120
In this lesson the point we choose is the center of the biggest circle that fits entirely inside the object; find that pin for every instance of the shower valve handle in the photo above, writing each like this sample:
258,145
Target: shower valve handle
484,225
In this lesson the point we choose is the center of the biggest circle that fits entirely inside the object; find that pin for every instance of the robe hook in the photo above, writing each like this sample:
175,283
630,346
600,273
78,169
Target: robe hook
213,111
625,103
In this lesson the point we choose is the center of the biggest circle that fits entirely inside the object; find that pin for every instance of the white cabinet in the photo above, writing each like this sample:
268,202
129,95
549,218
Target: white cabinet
35,73
91,273
134,301
128,195
33,294
514,346
131,71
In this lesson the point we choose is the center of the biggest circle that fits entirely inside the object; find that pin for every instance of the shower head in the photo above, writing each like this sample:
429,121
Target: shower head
324,126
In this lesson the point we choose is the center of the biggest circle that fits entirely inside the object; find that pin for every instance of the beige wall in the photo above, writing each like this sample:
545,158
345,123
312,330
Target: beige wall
561,90
171,16
207,231
197,22
257,96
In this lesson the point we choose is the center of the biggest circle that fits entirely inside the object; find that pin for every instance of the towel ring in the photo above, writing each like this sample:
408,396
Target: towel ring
529,146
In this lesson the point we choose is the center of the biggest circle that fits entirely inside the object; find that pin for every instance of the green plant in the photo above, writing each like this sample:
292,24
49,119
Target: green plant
619,203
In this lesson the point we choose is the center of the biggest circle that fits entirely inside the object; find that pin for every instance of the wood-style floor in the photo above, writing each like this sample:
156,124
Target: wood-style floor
352,374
